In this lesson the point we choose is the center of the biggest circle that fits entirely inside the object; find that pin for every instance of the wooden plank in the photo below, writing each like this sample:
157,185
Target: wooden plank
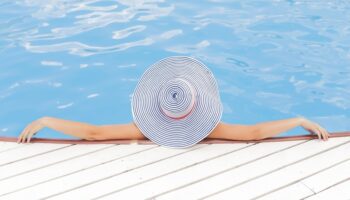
97,164
148,172
197,172
5,146
75,165
103,171
329,177
29,150
44,160
339,192
291,192
313,184
238,175
289,174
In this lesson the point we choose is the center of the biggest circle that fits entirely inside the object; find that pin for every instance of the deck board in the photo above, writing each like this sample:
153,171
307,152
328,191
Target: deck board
27,151
27,180
332,176
170,158
169,182
155,170
89,168
291,192
239,175
44,160
5,146
340,191
276,170
314,184
325,156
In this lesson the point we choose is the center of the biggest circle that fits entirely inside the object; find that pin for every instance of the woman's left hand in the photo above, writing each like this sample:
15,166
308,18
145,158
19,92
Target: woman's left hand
30,130
315,128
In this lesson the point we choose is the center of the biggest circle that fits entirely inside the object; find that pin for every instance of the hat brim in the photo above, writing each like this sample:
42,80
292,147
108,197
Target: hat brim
169,132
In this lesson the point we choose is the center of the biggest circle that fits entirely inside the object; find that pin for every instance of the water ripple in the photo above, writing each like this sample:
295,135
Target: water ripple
128,31
81,49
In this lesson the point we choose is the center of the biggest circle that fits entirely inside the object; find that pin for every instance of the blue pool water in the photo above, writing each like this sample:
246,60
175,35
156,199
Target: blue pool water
81,60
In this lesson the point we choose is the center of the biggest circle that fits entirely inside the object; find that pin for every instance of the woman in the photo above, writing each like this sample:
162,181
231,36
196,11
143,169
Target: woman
176,103
130,131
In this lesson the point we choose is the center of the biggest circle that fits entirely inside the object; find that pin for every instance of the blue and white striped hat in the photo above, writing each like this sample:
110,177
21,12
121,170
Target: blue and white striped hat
176,103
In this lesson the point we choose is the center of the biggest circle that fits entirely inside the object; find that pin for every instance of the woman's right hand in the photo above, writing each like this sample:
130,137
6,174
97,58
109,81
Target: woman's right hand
31,130
315,128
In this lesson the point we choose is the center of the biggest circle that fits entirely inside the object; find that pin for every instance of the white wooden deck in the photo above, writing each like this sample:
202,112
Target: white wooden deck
273,170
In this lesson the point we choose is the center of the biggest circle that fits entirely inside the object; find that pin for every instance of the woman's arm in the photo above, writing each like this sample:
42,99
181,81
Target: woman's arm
130,131
266,129
82,130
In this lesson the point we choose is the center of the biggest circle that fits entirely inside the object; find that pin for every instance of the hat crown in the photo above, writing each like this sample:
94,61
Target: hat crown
176,98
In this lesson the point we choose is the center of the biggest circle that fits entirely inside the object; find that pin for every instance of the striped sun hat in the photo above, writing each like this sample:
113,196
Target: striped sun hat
176,102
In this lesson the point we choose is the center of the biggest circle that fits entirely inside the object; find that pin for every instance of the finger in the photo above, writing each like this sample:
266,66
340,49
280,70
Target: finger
27,138
318,133
25,132
327,133
19,138
24,136
30,136
321,133
324,133
21,135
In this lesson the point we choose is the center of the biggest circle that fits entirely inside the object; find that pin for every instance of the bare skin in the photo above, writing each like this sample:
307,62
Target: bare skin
130,131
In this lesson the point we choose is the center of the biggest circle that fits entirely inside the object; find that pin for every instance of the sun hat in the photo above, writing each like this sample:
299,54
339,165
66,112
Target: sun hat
176,102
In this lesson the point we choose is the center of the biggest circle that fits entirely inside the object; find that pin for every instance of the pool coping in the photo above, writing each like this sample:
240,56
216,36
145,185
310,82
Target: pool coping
147,141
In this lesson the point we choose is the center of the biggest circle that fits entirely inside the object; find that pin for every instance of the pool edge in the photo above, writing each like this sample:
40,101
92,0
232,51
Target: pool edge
146,141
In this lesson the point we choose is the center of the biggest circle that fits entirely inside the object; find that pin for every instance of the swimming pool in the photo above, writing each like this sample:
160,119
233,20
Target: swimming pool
81,60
